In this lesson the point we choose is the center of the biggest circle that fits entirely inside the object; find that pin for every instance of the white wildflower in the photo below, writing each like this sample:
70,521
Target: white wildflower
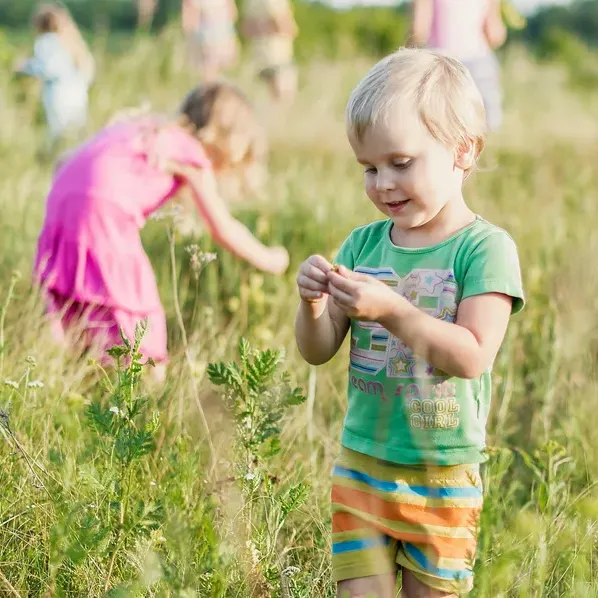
10,382
35,384
255,553
114,409
290,571
198,258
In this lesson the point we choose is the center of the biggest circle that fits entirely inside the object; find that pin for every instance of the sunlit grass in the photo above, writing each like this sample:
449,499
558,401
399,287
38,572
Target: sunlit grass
539,530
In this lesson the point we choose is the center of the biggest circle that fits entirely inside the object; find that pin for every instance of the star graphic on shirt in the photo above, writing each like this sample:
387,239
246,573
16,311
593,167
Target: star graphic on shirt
400,365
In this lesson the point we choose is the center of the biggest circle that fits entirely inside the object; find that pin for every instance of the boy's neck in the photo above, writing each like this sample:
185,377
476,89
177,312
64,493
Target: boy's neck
452,218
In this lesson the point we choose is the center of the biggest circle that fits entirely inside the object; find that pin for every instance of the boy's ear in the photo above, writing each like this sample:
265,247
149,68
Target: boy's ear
465,155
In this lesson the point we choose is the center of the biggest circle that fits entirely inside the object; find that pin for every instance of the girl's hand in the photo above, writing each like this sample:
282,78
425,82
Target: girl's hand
18,65
312,279
279,260
362,297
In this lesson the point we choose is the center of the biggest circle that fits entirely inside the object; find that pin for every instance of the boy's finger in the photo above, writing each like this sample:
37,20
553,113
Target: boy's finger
314,273
356,276
320,262
345,284
340,296
308,283
311,296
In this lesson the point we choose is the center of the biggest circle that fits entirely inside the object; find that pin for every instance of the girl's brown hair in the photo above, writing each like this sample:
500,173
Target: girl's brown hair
51,18
222,118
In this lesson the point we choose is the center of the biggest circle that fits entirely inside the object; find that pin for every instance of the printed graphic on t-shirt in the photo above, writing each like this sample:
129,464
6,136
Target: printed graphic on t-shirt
373,349
428,396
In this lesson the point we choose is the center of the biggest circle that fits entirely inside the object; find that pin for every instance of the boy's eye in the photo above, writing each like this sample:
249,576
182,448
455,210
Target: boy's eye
402,165
370,170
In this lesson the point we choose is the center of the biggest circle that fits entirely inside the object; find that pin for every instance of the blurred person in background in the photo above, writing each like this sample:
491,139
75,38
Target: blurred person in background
271,27
468,30
62,61
210,29
146,9
90,259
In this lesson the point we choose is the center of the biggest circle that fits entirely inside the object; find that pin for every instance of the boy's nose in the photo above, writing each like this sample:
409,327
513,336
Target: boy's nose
384,181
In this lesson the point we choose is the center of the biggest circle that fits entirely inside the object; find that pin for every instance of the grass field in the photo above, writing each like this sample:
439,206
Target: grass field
117,487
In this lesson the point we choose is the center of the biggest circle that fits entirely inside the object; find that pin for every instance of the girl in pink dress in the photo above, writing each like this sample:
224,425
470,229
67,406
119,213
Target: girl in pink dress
90,260
468,30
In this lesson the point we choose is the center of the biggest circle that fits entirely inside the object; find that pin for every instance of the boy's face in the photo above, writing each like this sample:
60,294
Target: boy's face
409,175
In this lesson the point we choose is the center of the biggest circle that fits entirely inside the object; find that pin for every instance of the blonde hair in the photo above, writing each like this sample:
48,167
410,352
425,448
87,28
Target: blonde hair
51,18
223,120
439,87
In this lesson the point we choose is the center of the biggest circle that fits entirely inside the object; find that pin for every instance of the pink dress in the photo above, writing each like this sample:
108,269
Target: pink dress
458,28
90,259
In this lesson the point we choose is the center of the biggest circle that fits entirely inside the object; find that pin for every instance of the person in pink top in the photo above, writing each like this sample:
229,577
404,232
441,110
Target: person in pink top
468,30
90,261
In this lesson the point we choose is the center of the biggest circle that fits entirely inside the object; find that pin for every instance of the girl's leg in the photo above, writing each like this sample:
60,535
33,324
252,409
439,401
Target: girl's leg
57,330
376,586
414,588
158,373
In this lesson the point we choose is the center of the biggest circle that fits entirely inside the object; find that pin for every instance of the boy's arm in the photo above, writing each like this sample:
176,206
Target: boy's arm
465,349
320,329
491,290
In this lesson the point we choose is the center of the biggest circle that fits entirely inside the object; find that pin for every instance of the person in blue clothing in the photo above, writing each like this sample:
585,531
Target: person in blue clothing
62,61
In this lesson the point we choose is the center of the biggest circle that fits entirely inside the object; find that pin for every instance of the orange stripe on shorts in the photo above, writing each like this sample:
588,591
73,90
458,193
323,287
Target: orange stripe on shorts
454,548
451,516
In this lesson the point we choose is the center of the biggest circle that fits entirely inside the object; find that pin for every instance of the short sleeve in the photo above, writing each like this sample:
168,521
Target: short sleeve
181,147
49,60
345,256
493,267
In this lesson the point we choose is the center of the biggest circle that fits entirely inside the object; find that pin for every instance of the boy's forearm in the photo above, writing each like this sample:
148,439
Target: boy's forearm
315,333
449,347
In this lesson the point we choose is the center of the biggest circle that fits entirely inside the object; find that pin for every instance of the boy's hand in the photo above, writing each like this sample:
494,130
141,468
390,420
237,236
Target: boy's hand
362,297
312,279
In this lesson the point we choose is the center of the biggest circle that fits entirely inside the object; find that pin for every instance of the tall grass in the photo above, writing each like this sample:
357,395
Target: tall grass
108,485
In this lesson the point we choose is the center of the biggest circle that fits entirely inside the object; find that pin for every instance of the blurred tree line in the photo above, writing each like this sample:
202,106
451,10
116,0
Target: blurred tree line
553,32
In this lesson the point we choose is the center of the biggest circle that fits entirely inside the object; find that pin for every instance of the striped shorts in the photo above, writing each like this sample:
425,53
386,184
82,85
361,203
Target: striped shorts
387,516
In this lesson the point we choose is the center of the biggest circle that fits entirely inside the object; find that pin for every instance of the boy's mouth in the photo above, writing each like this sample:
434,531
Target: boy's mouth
397,206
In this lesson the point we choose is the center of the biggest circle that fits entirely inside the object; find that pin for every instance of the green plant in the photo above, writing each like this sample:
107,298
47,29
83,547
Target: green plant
125,436
257,397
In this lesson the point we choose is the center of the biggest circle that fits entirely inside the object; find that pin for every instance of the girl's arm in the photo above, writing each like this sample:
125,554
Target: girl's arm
47,62
421,22
227,231
189,16
495,29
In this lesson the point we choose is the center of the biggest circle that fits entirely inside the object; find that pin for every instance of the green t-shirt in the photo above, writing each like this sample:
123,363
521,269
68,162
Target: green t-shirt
400,408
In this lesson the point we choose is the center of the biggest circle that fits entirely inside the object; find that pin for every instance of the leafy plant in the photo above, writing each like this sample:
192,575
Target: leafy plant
125,435
258,397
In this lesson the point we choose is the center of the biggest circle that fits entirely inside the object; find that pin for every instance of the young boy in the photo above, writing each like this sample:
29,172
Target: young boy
426,294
